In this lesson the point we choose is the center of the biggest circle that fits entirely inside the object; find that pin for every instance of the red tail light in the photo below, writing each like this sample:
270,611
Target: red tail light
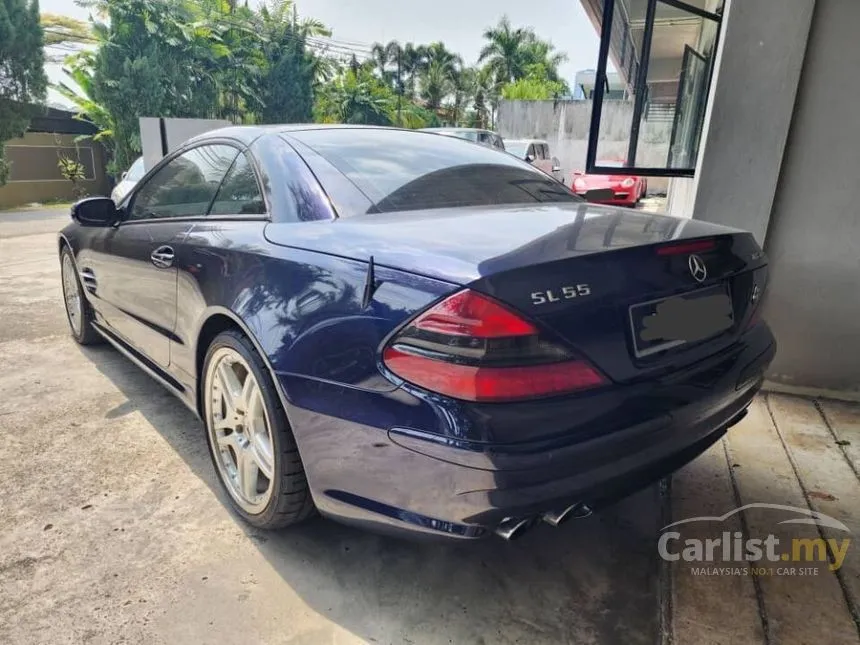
471,347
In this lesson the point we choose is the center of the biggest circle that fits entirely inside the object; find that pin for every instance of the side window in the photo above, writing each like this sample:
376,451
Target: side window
483,137
545,149
240,193
185,186
497,142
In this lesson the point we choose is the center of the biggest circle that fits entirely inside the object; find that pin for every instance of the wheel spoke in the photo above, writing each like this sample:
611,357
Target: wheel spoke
248,473
222,423
264,461
250,394
228,441
230,387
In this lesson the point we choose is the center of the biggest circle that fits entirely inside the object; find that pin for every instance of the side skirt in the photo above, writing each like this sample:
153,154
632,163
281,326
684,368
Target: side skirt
153,370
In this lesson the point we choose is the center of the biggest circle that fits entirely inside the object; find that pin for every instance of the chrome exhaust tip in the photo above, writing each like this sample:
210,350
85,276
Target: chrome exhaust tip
559,517
511,528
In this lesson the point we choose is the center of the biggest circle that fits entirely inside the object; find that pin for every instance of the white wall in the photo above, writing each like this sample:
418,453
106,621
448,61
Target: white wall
177,132
813,238
565,125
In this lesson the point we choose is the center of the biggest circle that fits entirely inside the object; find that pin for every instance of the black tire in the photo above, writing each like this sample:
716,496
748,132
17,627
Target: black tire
85,334
290,501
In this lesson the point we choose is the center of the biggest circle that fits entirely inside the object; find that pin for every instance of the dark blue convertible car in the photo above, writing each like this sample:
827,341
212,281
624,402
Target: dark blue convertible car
415,333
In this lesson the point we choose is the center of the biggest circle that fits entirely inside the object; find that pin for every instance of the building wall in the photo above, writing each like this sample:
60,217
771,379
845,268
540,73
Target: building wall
752,99
813,238
35,176
565,125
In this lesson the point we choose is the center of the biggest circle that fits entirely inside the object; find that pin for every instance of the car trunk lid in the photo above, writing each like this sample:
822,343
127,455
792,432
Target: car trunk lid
590,274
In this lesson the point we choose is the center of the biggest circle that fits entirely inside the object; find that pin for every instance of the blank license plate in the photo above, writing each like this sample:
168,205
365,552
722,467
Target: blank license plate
661,324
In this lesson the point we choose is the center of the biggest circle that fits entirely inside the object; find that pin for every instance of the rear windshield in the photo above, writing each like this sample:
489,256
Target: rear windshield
401,170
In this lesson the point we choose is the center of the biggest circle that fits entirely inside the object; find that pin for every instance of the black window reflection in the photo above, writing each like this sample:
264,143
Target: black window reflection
240,192
184,186
402,171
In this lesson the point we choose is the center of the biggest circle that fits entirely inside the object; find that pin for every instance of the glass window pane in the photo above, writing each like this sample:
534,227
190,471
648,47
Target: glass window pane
682,48
673,95
402,171
185,186
240,192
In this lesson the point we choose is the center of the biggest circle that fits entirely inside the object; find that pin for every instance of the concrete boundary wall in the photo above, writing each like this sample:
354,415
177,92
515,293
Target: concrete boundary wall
565,125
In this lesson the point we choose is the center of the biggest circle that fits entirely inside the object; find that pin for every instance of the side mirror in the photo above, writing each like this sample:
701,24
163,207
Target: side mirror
122,176
95,211
599,195
530,158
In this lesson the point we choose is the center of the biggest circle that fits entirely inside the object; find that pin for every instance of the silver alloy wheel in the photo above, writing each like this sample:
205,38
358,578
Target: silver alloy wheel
239,430
72,295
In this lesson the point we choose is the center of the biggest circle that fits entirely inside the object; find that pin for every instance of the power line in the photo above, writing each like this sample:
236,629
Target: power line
319,44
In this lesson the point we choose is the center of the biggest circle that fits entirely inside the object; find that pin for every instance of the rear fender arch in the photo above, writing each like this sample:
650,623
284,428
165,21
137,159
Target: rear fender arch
200,354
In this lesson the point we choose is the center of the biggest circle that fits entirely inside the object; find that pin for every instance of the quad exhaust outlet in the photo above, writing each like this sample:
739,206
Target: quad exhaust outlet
512,528
559,517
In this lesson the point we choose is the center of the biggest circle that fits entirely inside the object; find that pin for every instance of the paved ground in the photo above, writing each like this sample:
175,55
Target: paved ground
112,528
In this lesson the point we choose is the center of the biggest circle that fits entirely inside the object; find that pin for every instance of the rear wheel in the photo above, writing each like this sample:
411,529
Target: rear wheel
78,311
251,445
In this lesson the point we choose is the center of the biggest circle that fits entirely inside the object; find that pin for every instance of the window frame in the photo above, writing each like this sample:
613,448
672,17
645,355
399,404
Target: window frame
127,202
601,84
249,158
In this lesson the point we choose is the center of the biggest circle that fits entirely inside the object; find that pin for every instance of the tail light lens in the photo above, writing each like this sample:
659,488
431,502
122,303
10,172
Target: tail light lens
472,347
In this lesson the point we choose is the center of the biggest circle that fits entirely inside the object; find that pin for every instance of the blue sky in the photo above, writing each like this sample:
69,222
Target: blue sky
457,23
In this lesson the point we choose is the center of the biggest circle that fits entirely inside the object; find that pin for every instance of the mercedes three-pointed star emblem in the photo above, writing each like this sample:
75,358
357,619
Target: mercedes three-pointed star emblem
697,268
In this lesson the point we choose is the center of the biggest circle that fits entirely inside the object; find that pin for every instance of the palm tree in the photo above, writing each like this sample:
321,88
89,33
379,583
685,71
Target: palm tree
439,54
506,52
463,85
541,52
379,56
436,84
486,91
412,61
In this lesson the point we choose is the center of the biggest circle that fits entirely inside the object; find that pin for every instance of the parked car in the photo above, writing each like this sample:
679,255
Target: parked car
626,189
537,153
128,179
415,335
484,137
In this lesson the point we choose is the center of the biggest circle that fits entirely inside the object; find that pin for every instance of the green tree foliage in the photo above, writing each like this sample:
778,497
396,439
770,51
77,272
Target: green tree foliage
289,70
64,34
22,79
537,85
225,59
511,51
73,170
358,96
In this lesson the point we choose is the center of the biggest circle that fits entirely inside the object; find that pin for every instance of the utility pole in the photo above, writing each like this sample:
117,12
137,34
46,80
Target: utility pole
399,88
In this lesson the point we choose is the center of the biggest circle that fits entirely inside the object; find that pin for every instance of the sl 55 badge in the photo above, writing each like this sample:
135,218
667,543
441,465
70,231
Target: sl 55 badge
557,295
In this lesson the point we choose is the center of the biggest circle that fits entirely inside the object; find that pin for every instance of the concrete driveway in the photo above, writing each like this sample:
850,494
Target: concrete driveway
113,528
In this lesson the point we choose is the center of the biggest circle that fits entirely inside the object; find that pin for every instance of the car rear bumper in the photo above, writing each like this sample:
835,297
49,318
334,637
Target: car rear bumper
407,480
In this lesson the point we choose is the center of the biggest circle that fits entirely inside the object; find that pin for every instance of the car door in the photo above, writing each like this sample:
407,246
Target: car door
137,281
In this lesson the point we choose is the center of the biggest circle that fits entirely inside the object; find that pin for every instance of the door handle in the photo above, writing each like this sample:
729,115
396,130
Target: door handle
162,257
